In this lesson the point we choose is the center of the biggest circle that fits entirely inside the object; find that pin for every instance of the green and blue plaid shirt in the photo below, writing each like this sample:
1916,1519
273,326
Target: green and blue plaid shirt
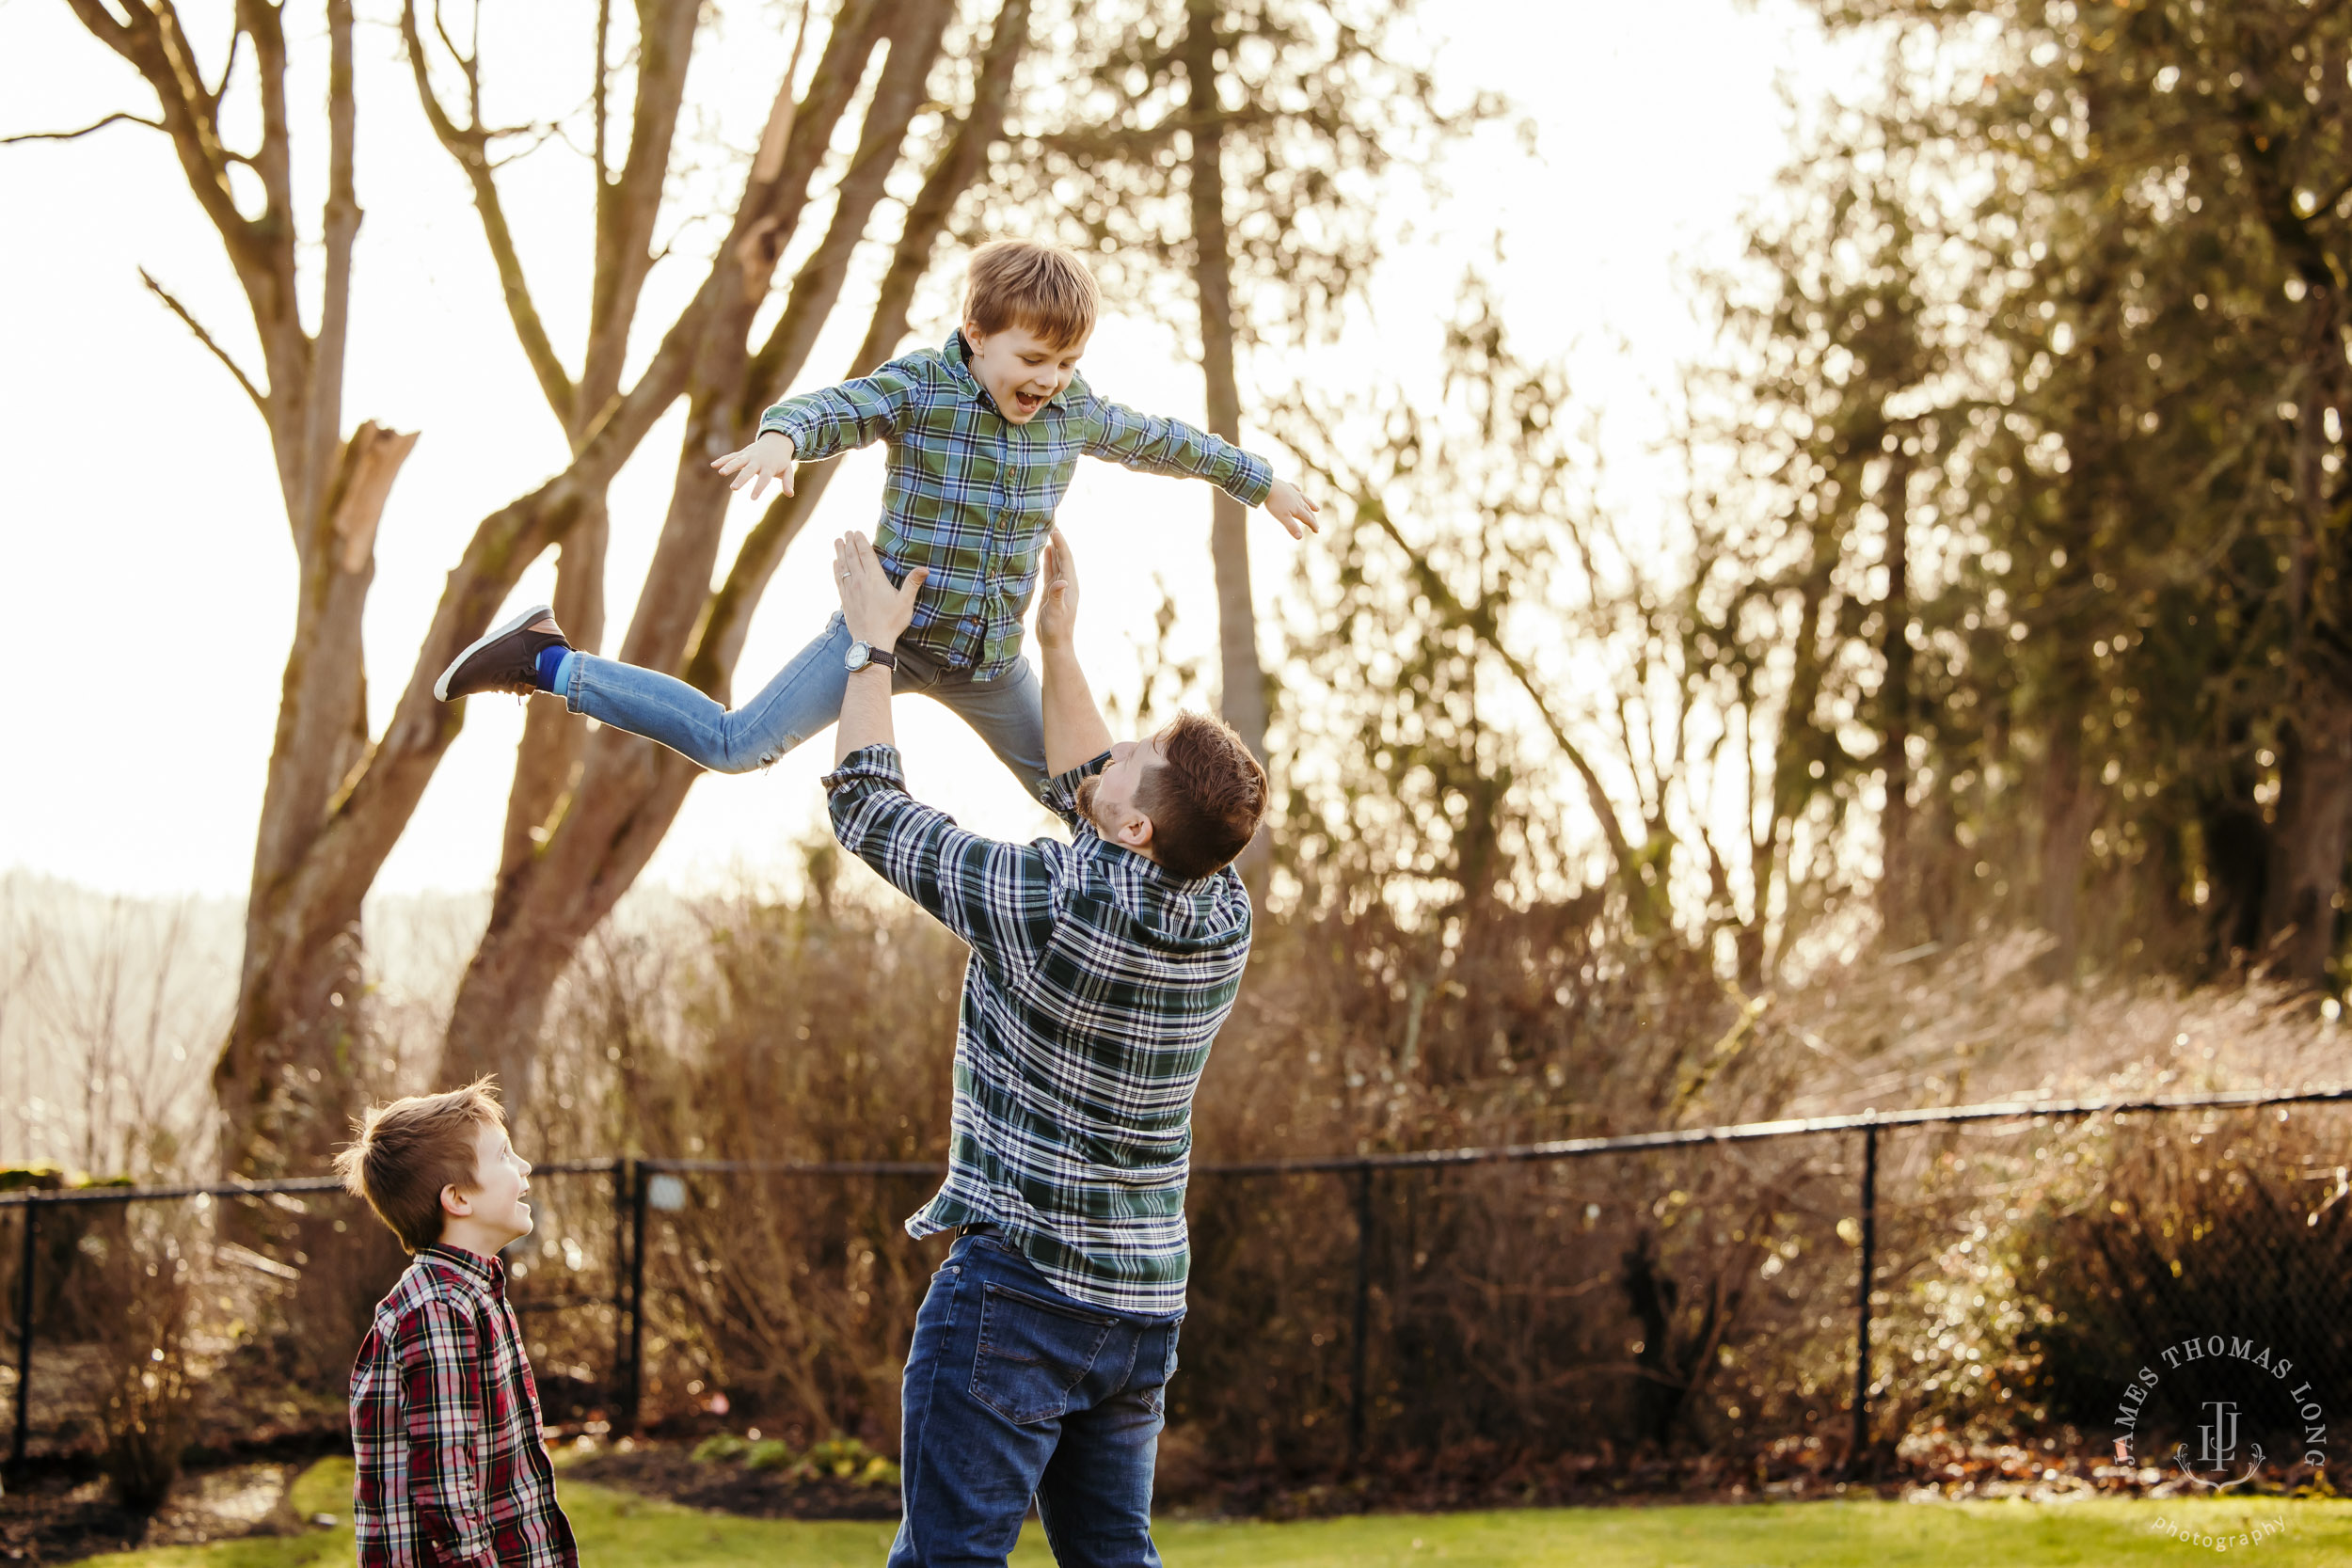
1096,985
971,495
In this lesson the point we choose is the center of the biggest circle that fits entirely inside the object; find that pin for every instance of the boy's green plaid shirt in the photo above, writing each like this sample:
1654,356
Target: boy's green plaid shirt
971,495
1096,985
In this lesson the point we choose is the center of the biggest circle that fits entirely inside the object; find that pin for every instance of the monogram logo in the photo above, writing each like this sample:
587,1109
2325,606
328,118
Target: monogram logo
2231,1394
2217,1445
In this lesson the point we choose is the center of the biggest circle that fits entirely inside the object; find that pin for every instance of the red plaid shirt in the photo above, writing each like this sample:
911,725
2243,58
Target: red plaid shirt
445,1428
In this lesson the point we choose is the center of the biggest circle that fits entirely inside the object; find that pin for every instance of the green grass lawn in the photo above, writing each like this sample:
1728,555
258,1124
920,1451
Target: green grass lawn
618,1530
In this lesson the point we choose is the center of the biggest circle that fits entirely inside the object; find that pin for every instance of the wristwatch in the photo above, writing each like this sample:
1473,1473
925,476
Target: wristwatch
863,654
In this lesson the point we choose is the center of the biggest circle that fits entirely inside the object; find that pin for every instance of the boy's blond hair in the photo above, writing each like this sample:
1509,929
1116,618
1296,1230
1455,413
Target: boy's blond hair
1041,287
410,1150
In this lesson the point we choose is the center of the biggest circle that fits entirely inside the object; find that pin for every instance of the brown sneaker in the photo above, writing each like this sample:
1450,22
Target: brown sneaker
504,660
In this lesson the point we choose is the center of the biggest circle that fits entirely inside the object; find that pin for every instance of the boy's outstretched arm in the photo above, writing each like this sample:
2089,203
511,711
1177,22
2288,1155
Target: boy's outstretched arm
1075,732
1150,443
826,424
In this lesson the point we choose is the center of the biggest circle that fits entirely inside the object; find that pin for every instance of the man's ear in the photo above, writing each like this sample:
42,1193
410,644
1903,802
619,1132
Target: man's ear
1136,832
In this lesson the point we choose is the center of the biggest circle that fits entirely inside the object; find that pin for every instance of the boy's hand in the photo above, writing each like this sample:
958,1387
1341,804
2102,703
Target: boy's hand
1057,607
769,457
874,611
1292,509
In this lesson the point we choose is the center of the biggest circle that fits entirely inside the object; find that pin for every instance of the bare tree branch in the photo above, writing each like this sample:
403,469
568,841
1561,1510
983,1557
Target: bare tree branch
339,231
75,135
630,202
1480,624
261,401
915,44
468,144
598,97
227,69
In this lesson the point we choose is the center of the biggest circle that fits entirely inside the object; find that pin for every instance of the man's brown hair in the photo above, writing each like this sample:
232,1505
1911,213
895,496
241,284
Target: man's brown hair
1204,799
1041,287
410,1150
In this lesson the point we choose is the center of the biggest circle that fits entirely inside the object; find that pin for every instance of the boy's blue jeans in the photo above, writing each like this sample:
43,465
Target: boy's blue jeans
1015,1391
803,698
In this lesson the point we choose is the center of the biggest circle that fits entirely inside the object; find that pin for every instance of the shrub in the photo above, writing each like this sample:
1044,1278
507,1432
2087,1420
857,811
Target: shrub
141,1293
1673,1302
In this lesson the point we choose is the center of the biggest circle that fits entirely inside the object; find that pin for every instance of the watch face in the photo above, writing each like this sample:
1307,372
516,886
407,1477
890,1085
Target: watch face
859,653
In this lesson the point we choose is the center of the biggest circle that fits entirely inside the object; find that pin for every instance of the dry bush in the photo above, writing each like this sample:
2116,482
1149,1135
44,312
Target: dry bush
764,1033
137,1292
2089,1249
1678,1303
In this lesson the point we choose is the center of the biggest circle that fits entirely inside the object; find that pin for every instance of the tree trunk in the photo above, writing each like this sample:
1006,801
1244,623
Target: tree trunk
2068,806
2306,860
1242,687
1898,908
2309,841
285,1069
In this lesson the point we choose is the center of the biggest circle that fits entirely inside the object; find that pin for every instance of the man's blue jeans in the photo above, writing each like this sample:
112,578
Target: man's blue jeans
1006,712
1014,1391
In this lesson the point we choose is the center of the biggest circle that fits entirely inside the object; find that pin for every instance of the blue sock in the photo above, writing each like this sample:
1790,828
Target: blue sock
551,671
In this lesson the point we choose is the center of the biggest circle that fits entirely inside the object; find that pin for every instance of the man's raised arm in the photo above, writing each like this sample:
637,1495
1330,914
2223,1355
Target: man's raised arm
876,613
1075,732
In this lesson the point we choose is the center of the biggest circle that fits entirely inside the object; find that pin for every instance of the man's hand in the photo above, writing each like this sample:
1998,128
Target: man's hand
1057,607
769,457
874,611
1290,508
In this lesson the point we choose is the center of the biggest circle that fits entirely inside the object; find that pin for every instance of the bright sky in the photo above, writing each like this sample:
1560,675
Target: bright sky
146,577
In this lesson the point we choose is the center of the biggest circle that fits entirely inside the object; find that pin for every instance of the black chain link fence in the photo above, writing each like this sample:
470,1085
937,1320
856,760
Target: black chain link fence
1920,1293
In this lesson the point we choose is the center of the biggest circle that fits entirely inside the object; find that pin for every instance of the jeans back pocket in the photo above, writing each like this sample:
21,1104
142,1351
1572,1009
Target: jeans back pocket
1032,1354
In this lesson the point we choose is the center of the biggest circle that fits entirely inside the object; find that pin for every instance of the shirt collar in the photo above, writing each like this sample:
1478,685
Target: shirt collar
486,1274
958,357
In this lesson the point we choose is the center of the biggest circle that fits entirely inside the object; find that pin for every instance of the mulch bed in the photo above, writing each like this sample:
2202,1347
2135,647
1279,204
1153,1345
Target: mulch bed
62,1511
661,1470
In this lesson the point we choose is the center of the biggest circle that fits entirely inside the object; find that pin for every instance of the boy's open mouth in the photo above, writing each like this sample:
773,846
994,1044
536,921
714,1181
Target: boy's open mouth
1029,403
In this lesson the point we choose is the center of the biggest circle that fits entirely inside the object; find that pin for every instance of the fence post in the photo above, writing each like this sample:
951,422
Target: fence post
24,1331
636,1293
623,1174
1862,1297
1364,1317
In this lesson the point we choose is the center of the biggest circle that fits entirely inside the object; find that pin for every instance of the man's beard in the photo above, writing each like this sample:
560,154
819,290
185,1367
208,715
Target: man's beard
1088,787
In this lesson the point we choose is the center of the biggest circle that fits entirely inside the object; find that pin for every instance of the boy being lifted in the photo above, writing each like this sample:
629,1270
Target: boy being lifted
984,435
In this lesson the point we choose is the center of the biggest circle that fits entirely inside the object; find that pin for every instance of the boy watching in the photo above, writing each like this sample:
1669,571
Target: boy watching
444,1413
984,434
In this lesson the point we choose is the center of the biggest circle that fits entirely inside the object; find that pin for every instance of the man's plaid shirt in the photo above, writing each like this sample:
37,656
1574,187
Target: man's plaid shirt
445,1427
1096,985
971,495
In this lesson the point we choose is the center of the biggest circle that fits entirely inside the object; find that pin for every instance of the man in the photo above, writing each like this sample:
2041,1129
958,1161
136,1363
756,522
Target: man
1100,972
